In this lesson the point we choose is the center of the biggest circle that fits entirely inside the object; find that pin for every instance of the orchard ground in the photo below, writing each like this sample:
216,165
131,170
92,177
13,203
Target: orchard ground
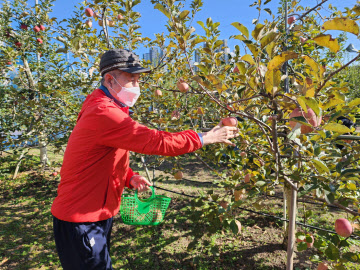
27,241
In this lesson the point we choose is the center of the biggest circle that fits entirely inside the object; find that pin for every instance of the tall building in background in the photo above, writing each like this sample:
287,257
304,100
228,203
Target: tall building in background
154,56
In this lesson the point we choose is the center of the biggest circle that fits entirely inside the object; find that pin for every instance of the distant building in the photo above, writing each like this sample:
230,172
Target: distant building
154,56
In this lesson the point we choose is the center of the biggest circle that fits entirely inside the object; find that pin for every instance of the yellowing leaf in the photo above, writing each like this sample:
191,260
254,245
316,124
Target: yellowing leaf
331,103
270,49
328,42
255,51
342,24
310,92
242,28
248,58
272,81
339,128
257,33
270,37
312,63
355,102
320,166
279,60
302,101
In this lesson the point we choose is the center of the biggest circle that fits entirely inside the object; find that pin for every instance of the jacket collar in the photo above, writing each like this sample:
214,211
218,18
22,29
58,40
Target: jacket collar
107,93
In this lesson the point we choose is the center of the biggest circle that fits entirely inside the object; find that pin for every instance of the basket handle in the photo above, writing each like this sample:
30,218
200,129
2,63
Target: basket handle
148,199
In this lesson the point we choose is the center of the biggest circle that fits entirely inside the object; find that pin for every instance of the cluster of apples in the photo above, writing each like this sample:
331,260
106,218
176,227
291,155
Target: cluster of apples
342,227
90,13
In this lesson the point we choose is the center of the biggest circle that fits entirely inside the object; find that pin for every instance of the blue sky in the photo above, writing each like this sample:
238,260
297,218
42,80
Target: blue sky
223,11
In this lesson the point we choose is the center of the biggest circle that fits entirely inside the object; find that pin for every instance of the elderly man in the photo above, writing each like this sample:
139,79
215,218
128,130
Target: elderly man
96,168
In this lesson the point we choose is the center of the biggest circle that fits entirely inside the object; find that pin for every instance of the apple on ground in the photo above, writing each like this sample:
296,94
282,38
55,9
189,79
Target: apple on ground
310,116
89,12
229,121
343,227
178,175
182,86
291,20
323,266
158,93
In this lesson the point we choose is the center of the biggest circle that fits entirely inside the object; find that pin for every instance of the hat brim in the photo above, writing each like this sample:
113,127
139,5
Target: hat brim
136,69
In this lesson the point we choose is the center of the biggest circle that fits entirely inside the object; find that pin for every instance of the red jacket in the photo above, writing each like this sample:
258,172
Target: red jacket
96,169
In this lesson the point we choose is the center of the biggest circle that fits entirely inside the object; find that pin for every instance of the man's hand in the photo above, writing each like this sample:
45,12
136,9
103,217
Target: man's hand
140,183
220,134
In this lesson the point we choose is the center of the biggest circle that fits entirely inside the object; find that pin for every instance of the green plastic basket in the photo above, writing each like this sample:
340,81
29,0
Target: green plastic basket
151,211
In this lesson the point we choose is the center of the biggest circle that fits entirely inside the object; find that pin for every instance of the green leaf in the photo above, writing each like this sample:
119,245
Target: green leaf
270,37
320,166
352,257
260,183
350,172
302,246
242,28
339,128
332,252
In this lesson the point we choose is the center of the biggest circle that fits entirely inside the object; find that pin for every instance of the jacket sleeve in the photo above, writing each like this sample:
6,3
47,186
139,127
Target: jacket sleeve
117,129
130,174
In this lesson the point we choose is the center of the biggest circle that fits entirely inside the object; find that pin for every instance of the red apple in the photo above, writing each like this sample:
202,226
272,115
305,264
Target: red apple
120,17
182,86
88,23
18,44
310,116
247,178
178,175
158,93
343,227
303,40
322,266
89,12
55,173
42,28
175,115
291,20
229,121
24,26
39,40
9,63
309,245
37,29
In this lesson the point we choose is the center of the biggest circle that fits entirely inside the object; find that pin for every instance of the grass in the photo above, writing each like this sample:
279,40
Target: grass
27,240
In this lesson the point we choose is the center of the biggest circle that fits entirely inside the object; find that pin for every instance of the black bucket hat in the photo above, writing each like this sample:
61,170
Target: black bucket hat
121,59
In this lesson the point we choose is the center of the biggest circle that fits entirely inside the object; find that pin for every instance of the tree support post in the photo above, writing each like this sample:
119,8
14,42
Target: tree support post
291,235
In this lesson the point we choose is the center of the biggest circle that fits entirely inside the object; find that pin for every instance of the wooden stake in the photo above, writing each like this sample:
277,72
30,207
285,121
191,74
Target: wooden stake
291,235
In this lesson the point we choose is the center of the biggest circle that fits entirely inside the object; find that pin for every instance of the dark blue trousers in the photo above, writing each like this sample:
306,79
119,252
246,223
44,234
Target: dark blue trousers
83,246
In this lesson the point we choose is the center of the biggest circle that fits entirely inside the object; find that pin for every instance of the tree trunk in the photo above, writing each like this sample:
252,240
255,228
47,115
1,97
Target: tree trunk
43,150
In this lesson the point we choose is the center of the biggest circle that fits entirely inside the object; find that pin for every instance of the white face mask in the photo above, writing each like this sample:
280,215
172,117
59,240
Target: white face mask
128,96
